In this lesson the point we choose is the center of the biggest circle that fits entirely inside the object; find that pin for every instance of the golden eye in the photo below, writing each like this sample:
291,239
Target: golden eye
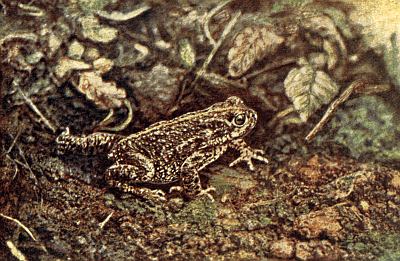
240,119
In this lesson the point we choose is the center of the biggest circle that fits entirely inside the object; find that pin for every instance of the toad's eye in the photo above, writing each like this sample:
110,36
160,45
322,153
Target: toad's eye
240,119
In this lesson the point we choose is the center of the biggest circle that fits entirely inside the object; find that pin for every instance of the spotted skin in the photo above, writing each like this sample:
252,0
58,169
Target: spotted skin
173,150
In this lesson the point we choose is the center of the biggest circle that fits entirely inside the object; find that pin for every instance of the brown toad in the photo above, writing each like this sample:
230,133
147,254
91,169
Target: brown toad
173,150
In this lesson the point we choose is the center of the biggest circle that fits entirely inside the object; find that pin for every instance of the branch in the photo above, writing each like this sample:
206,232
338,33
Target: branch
36,110
360,86
20,224
226,31
208,18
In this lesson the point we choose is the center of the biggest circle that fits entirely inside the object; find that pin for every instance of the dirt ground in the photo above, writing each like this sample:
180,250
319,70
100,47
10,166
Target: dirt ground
315,200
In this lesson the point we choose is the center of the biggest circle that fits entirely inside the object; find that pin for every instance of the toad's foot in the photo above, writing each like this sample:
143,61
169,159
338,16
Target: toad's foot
178,189
202,192
156,195
247,154
206,192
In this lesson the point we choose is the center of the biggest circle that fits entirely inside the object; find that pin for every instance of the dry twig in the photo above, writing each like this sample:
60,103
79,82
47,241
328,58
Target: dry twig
273,66
20,224
109,118
15,251
281,114
226,31
14,141
217,79
360,86
208,18
37,111
104,222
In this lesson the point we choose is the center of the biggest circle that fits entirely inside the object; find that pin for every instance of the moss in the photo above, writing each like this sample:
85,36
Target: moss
368,126
200,211
384,246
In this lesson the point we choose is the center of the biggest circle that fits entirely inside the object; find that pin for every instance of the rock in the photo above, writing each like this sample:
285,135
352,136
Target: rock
157,90
103,65
66,65
34,58
227,180
91,54
319,223
364,205
75,50
395,182
311,173
93,30
318,250
54,43
303,251
283,248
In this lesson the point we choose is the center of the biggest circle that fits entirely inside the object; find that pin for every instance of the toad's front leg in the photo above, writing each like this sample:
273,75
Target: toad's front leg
247,154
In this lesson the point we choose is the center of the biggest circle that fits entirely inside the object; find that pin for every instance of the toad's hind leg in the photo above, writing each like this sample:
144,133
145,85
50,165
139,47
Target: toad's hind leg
128,177
95,143
189,173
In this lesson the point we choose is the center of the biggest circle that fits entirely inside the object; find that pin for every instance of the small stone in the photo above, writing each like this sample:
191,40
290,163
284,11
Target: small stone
317,223
75,50
303,251
65,65
187,53
81,240
34,58
176,204
364,205
103,65
283,248
91,54
395,182
93,30
54,43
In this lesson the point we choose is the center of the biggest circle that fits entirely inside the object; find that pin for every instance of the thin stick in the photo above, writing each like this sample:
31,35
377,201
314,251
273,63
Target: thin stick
20,224
208,18
216,78
15,251
14,141
280,115
272,66
226,31
333,107
103,223
36,110
124,124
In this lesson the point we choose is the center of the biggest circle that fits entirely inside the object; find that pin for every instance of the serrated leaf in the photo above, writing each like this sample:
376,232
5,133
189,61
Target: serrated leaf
250,46
309,89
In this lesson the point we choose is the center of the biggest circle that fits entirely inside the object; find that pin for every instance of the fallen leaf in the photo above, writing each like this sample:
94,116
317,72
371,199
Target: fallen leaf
105,95
251,45
309,89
